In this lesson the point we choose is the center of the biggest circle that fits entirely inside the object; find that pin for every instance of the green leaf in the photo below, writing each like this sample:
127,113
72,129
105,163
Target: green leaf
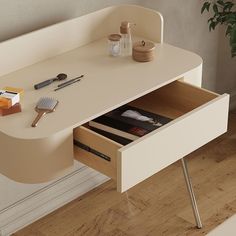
232,40
208,6
211,19
223,17
228,6
223,13
220,2
233,50
233,35
231,21
220,19
215,9
230,18
205,6
212,26
228,30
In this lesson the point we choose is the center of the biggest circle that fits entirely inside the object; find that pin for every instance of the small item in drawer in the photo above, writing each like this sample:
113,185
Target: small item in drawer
8,99
138,116
12,110
129,122
143,51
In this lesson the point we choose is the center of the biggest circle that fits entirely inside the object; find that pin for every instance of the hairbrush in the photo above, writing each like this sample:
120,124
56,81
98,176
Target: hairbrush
45,105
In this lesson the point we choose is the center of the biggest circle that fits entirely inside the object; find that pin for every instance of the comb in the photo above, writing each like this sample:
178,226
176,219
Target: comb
45,105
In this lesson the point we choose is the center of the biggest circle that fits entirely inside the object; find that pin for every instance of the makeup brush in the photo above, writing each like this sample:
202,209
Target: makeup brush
45,105
69,82
59,77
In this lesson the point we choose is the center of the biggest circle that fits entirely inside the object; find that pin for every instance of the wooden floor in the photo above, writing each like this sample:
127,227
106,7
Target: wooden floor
159,205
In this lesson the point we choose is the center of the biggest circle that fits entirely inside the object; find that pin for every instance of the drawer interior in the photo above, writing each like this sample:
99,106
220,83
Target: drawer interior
172,100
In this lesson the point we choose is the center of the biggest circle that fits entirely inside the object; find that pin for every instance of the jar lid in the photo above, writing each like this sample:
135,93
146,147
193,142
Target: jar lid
143,46
114,37
125,27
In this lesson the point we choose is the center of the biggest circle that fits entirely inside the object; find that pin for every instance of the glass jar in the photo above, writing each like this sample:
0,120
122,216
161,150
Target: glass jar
114,44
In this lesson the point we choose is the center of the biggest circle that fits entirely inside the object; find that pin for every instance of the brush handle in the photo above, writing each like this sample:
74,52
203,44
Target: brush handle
40,114
43,84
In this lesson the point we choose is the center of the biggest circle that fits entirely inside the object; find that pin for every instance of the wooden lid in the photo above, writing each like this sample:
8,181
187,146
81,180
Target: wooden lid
114,37
143,46
125,27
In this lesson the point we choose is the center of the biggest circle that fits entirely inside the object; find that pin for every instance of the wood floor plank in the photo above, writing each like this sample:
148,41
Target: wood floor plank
158,206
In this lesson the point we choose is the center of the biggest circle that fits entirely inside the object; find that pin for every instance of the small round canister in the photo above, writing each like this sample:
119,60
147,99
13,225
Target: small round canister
143,51
114,44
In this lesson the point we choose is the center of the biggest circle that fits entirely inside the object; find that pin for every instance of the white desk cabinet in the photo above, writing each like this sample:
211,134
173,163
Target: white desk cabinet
169,85
199,116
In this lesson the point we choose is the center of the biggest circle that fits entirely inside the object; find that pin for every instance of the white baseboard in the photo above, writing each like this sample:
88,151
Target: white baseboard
48,199
233,100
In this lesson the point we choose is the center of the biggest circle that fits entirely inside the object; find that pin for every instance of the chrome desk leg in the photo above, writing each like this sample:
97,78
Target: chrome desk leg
191,194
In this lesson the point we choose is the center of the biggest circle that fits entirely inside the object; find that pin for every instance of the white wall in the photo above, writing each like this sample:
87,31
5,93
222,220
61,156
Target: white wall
226,76
187,28
22,16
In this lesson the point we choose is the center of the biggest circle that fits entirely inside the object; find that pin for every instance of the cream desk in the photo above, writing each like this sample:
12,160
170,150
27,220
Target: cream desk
169,85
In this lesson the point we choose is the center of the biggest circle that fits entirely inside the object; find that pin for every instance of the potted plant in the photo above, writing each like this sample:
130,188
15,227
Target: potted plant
223,13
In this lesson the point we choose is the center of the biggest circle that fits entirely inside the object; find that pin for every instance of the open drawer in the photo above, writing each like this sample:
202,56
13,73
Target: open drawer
198,117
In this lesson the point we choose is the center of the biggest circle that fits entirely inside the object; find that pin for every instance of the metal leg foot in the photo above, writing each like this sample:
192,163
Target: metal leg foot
191,194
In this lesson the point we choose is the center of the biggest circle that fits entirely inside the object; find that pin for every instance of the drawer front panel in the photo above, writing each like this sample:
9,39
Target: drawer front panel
157,150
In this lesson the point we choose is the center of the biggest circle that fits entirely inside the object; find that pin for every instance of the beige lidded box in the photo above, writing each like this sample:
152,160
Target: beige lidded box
143,51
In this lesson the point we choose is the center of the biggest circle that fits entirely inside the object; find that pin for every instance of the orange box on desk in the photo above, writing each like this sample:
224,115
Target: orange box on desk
12,110
8,99
5,103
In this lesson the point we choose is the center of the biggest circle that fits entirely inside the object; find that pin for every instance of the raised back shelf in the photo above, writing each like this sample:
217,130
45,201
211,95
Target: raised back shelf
76,47
48,42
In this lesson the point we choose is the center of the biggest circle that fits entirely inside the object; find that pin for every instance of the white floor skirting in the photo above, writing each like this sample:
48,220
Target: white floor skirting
48,199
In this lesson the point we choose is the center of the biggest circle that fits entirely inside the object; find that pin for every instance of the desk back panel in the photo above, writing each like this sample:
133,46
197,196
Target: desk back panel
48,42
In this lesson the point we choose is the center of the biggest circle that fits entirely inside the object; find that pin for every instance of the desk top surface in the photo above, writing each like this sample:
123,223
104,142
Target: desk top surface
109,82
